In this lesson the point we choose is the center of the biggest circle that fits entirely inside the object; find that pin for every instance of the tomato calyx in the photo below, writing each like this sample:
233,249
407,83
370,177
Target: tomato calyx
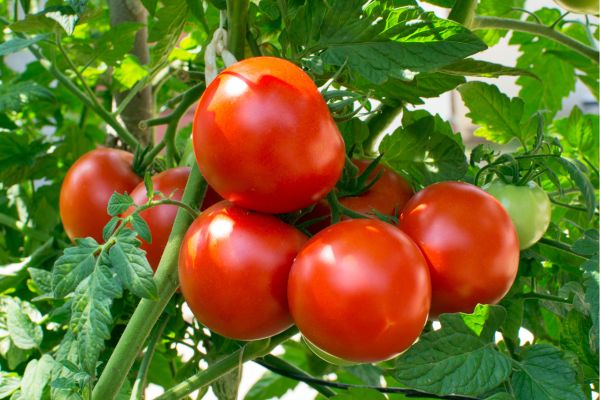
355,183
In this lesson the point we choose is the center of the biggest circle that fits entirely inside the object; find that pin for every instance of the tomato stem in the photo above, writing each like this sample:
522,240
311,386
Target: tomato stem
148,311
463,12
237,16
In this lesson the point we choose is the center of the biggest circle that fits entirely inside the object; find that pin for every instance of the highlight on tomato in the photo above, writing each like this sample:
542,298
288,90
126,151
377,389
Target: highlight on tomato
264,138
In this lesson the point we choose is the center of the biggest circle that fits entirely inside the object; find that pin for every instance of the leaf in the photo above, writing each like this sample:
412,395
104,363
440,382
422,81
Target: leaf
35,378
592,284
141,227
270,386
132,266
544,375
359,393
167,30
471,67
129,72
14,96
118,41
425,150
73,266
582,182
150,6
24,333
91,318
17,44
460,358
499,116
109,228
51,19
22,158
119,203
9,383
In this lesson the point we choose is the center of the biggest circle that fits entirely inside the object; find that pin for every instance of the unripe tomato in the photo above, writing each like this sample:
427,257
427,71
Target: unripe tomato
233,271
579,6
170,183
87,187
264,138
528,206
359,290
469,241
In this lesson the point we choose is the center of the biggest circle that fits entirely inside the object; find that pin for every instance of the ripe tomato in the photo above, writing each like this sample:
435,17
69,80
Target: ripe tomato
359,290
469,241
388,196
170,183
579,6
87,187
233,271
528,206
264,139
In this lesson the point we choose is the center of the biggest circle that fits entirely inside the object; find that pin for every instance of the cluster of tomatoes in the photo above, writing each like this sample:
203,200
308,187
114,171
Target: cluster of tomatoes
360,289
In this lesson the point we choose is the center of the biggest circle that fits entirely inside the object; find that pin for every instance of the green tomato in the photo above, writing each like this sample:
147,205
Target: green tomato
325,356
528,207
579,6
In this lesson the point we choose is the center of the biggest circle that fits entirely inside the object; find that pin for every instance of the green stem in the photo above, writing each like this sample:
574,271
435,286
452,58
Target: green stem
190,210
559,245
12,223
535,29
253,44
541,296
137,392
569,206
148,311
463,12
237,17
248,352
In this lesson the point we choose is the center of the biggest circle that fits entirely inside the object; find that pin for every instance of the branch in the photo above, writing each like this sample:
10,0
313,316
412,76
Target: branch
148,311
535,29
463,12
237,17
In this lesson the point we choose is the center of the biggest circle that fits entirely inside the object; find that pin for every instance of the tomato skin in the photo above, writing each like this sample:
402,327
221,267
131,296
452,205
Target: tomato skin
469,241
87,187
233,271
579,6
264,138
360,290
528,206
160,219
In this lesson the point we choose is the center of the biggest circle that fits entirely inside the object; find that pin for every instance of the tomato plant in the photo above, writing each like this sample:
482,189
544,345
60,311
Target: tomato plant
264,138
233,271
529,209
469,241
358,280
88,185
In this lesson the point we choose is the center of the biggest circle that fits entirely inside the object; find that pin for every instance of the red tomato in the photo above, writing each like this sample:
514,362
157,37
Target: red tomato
170,183
264,138
233,271
87,187
388,196
360,291
469,241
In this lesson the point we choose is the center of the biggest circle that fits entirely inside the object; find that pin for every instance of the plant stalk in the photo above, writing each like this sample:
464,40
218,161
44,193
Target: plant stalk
237,18
463,12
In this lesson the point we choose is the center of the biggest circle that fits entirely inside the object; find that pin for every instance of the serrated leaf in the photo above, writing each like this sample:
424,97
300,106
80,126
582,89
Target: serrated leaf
544,375
23,158
582,182
14,96
167,30
129,72
17,44
42,279
132,266
109,228
91,318
9,383
24,333
119,203
141,227
499,116
425,150
115,43
471,67
460,358
36,377
270,386
73,266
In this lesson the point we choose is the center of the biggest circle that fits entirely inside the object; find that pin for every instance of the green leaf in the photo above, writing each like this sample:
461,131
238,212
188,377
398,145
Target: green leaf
499,117
14,96
18,44
119,203
23,158
167,30
9,383
426,150
460,358
150,6
270,386
51,19
544,375
141,227
36,377
129,72
116,42
132,266
73,266
582,182
91,318
592,292
471,67
575,337
579,135
109,228
24,333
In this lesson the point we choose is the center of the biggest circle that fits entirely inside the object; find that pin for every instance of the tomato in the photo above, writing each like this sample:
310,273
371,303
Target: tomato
387,196
325,356
264,139
579,6
170,183
87,187
233,271
469,241
528,207
359,290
